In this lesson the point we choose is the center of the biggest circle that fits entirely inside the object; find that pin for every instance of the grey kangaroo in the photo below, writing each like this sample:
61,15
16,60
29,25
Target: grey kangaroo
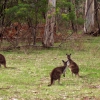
57,72
73,66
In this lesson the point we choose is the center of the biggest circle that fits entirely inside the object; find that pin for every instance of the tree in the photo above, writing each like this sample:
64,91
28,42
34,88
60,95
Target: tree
48,39
92,18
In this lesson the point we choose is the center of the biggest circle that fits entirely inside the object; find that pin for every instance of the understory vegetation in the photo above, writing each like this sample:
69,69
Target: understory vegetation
28,73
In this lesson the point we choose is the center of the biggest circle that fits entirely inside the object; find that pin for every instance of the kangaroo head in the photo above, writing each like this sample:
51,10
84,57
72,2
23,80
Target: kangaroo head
64,62
68,56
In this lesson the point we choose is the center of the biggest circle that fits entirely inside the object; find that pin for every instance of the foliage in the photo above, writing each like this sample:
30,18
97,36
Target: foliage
69,15
20,11
67,11
27,9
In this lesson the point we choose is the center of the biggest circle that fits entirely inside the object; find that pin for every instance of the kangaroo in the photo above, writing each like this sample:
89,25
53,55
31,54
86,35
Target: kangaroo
2,61
56,73
73,66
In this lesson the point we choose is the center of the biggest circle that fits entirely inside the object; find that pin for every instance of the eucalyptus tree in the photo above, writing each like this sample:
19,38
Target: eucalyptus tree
48,38
92,19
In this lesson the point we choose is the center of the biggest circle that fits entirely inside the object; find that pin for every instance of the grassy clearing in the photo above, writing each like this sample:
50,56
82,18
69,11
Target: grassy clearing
27,75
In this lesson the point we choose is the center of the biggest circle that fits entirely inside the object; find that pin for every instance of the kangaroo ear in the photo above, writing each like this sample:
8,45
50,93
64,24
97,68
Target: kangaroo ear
66,54
70,54
63,61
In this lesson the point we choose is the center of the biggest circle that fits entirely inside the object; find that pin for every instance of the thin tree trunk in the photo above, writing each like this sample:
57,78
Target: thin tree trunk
2,12
35,24
74,25
48,38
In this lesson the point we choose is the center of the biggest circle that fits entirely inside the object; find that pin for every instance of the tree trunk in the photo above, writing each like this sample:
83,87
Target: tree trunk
2,14
48,38
91,17
74,25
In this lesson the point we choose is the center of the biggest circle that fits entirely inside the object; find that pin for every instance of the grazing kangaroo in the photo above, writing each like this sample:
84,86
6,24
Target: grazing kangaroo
2,60
56,73
73,66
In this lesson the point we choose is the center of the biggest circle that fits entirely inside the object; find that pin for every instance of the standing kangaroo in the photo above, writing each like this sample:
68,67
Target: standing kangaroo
73,66
2,60
56,73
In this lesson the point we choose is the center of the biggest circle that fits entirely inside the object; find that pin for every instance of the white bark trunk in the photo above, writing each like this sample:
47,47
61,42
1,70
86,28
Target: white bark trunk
89,24
48,38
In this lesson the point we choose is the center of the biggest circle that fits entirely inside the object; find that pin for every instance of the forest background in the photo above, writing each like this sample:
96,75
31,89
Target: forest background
24,22
29,62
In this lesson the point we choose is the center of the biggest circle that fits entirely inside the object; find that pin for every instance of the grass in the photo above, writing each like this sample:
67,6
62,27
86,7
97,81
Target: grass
27,75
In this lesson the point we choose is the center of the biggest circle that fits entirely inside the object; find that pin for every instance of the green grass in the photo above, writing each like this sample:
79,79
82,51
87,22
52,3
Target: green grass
27,75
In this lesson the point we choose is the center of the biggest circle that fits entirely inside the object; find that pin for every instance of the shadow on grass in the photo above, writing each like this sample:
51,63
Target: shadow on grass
85,76
5,88
11,68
